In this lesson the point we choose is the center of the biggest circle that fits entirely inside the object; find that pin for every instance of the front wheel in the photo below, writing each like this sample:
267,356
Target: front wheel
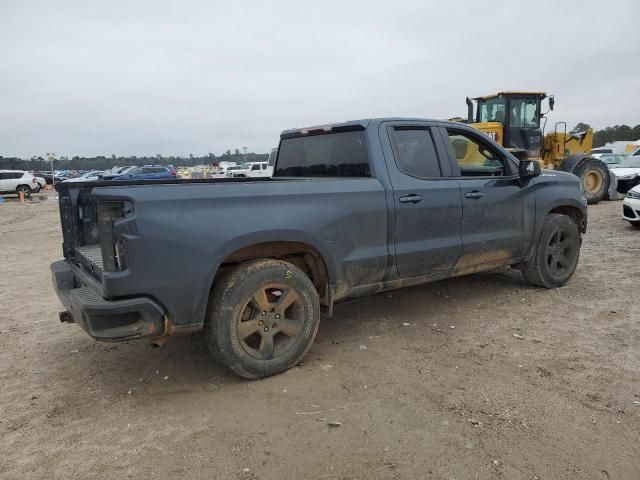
556,254
262,318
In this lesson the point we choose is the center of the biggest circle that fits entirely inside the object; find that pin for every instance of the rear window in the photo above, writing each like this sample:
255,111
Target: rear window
341,154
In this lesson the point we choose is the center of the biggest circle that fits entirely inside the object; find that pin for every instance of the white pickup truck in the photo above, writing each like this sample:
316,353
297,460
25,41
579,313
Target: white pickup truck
250,169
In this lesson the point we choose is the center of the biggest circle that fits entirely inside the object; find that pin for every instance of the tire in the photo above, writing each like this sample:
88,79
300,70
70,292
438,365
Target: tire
244,327
594,179
26,189
555,256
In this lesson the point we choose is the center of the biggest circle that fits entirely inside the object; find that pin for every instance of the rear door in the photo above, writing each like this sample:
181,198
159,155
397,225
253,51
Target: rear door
498,213
427,205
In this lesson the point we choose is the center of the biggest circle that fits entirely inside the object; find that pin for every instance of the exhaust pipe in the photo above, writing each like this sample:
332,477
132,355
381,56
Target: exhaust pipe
469,110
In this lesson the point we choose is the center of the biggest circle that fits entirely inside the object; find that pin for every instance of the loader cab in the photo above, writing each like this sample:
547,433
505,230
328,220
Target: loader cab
520,114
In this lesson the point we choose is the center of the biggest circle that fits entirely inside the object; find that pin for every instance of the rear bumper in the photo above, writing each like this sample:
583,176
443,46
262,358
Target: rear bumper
106,320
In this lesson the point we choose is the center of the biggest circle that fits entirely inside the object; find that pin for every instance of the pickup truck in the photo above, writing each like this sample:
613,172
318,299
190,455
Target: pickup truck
352,209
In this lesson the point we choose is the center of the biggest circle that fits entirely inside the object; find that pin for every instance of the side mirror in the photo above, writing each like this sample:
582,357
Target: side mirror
529,169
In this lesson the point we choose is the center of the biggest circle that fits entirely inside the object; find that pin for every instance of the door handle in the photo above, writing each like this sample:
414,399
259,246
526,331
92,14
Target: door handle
413,199
474,194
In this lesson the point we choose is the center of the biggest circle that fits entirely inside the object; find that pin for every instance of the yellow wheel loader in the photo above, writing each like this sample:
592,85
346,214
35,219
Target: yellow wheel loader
513,120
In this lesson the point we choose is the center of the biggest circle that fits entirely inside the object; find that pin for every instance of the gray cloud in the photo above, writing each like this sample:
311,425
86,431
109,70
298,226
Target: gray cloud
152,77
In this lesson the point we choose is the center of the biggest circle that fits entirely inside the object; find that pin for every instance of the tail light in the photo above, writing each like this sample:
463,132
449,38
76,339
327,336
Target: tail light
174,173
34,180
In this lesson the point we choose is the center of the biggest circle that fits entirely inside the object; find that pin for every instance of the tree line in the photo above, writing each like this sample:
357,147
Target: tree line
610,134
601,137
100,162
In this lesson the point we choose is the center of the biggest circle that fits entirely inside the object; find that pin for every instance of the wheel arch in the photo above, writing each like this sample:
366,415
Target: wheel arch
574,213
301,254
296,247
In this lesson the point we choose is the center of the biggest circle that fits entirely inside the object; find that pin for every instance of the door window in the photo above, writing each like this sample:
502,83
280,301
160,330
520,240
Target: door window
415,152
475,157
524,113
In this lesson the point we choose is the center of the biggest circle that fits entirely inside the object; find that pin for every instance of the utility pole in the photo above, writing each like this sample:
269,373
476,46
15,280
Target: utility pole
245,154
52,157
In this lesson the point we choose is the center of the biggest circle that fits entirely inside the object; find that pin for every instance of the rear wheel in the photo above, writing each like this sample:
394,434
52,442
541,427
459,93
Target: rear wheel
25,189
556,254
594,177
263,317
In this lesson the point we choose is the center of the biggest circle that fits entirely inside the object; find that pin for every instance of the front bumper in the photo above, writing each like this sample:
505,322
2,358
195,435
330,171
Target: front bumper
103,319
631,209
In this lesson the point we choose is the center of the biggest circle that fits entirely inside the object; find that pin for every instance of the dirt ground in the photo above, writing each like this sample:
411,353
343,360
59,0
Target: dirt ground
491,379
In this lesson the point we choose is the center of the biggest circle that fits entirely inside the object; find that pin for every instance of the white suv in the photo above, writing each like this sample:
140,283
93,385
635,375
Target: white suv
16,181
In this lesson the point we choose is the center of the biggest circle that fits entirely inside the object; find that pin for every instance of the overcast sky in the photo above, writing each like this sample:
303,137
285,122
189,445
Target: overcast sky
147,77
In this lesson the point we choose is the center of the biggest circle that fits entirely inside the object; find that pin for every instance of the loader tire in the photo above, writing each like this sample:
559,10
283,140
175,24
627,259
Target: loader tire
594,179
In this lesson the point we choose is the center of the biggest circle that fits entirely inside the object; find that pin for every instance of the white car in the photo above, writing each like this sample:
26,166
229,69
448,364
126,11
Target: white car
16,181
627,173
600,151
631,206
87,177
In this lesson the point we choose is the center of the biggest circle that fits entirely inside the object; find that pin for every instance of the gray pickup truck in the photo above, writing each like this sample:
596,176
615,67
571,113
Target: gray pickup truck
352,209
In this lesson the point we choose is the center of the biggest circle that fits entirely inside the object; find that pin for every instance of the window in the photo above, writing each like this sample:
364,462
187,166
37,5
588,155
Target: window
474,157
255,167
341,154
524,113
415,152
492,110
11,175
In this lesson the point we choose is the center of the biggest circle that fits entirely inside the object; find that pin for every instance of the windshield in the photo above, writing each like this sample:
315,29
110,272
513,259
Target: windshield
612,159
491,110
629,162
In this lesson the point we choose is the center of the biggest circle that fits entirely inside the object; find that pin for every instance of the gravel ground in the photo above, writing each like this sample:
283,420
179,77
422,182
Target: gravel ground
491,378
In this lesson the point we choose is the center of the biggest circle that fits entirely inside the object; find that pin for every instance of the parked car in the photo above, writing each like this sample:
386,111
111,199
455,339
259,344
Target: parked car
48,177
110,174
610,159
41,184
631,206
352,209
600,151
627,173
155,172
87,176
16,181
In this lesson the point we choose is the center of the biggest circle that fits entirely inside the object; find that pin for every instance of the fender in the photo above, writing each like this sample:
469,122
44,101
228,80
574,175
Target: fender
570,164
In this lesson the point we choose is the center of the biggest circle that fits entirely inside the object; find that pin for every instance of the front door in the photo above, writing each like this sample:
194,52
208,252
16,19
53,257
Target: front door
498,213
427,206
